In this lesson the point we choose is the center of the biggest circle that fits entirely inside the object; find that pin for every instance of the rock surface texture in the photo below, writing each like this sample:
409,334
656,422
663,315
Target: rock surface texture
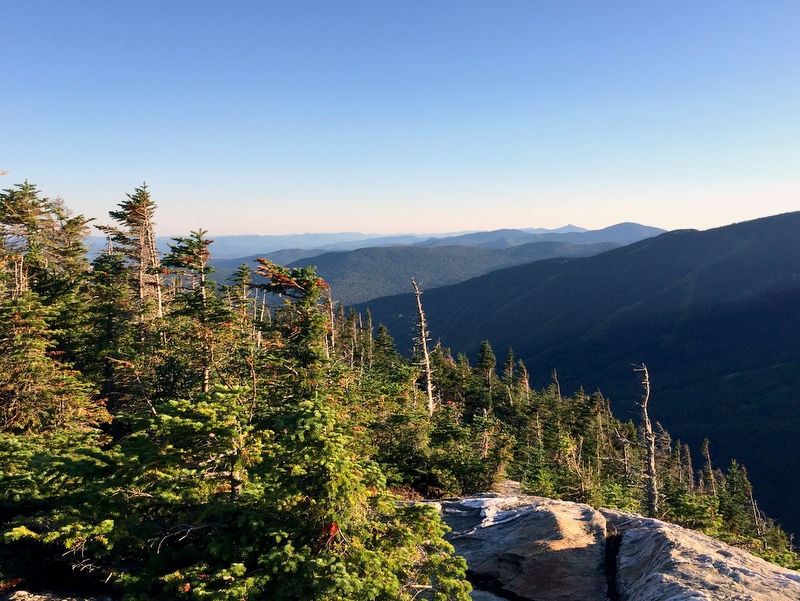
525,548
657,561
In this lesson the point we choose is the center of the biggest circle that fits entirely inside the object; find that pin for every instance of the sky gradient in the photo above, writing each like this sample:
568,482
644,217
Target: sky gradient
391,117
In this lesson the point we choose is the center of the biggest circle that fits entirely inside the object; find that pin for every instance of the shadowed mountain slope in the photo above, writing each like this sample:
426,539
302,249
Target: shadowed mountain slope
715,315
360,275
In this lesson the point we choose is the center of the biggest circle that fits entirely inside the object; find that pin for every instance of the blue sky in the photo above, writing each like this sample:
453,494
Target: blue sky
388,117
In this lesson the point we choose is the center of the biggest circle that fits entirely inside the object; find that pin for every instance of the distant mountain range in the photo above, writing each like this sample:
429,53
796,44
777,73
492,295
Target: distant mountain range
715,315
232,247
360,275
360,267
620,234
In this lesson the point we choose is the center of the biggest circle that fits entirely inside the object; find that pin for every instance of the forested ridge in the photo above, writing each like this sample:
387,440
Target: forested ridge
383,267
361,275
714,314
164,436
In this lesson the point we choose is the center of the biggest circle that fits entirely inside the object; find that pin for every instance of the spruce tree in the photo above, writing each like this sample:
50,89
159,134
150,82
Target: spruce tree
197,305
134,236
38,393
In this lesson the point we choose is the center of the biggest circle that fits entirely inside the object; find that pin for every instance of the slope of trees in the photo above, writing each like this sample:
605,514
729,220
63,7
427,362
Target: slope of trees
714,315
167,437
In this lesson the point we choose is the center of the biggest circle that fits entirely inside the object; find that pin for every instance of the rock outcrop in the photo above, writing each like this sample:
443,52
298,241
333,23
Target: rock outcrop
657,561
525,548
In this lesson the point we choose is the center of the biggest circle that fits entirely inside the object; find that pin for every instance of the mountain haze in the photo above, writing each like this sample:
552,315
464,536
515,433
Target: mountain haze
376,270
621,233
714,314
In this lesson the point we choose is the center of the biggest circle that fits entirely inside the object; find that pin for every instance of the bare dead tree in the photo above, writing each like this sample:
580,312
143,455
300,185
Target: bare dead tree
709,481
370,343
422,339
651,476
330,342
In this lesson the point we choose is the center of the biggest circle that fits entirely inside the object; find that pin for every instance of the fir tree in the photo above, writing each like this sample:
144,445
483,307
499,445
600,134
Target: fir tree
134,237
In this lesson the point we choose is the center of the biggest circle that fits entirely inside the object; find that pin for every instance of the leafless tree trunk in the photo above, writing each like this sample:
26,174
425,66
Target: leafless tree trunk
485,437
331,323
423,343
758,517
370,342
625,459
709,481
149,277
650,446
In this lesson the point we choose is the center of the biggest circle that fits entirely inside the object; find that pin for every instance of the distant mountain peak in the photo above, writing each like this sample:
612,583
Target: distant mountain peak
566,229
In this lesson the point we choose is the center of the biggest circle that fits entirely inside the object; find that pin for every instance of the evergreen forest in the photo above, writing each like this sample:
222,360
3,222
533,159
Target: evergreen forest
166,436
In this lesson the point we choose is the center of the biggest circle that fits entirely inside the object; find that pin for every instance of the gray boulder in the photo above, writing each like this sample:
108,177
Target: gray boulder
529,548
658,561
526,548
